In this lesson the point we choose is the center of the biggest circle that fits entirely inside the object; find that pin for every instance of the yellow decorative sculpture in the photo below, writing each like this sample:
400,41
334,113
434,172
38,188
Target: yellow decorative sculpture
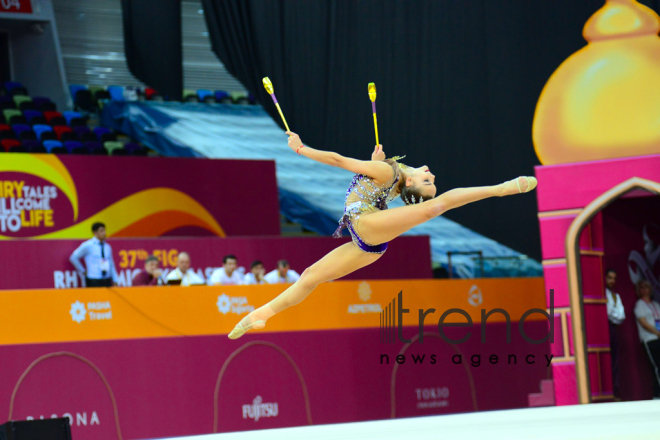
604,100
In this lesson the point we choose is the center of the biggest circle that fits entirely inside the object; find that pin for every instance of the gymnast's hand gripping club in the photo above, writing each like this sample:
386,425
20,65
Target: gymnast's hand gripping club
269,88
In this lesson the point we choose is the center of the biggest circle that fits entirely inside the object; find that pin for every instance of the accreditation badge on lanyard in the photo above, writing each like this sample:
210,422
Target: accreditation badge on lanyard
104,265
656,315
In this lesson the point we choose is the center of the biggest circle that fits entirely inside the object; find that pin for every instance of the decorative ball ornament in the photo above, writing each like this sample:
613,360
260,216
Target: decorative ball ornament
604,100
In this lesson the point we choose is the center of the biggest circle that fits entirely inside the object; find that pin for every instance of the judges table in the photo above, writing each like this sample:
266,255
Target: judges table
148,362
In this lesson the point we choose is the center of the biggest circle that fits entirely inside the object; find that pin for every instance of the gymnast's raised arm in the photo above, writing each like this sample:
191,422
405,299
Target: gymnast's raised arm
378,170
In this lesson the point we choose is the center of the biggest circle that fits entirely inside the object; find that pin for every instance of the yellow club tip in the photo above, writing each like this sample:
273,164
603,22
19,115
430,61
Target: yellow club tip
268,85
372,92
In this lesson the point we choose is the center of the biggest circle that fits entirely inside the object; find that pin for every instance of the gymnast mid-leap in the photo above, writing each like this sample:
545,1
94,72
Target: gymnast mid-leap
370,223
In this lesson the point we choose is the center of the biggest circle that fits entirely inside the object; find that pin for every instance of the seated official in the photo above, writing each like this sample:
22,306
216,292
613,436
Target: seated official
283,274
227,275
183,272
256,274
150,276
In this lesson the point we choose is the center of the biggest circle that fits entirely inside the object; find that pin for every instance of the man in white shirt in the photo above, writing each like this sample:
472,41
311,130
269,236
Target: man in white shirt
256,274
616,315
184,273
99,269
283,274
227,275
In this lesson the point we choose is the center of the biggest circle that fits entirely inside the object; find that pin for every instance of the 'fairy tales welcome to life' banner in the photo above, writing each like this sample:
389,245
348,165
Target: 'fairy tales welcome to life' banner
43,196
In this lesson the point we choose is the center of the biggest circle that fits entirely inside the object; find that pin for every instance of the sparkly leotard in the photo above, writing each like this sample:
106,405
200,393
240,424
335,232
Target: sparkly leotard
364,194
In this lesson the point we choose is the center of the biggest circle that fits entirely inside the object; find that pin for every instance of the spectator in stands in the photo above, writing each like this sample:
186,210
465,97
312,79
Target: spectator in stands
256,275
99,269
283,274
647,313
616,315
151,275
227,275
183,272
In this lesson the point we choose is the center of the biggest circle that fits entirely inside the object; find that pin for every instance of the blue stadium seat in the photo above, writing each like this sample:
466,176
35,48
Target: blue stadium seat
221,95
10,85
32,146
203,93
116,93
6,102
74,88
20,129
49,145
44,104
69,115
39,129
71,145
32,114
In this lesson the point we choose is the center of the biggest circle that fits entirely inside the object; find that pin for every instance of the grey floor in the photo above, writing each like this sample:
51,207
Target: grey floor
621,420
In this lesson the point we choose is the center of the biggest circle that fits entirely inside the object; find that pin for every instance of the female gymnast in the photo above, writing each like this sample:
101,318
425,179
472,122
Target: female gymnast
370,223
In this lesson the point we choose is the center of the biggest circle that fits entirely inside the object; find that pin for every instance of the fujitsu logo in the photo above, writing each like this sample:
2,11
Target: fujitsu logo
258,409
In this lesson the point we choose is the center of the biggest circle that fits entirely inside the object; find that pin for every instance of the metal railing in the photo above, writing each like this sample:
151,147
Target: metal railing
480,256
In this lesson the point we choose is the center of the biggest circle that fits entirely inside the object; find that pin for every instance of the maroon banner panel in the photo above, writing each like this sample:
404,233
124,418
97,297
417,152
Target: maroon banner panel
165,387
45,196
44,264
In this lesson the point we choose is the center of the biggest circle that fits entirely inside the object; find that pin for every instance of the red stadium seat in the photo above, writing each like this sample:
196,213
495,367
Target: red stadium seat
8,143
51,115
149,93
61,129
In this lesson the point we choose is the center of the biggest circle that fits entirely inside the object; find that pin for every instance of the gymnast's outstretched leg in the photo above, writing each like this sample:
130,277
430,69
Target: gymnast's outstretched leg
338,263
384,226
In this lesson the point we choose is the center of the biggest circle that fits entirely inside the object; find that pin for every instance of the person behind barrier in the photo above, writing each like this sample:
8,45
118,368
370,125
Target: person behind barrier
616,315
227,275
151,275
647,313
256,274
283,274
183,275
99,269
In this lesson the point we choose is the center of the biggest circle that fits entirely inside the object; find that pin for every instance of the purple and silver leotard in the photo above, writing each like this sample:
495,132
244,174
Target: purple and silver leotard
365,195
